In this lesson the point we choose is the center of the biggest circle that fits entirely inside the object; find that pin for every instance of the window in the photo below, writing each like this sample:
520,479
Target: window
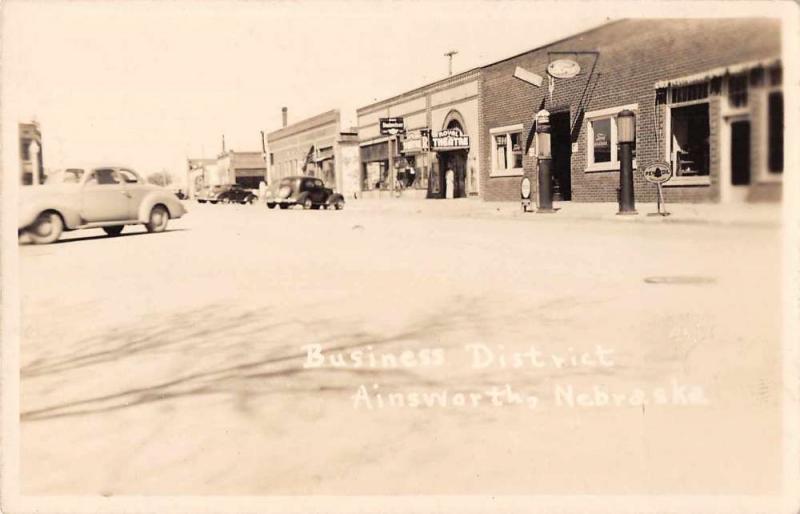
601,139
775,131
737,91
128,177
103,177
507,150
689,146
690,93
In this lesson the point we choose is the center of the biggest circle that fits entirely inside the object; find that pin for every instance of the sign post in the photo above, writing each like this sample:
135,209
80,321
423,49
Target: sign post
391,127
659,173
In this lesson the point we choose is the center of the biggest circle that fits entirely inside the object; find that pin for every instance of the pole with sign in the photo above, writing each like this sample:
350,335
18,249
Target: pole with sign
658,174
391,127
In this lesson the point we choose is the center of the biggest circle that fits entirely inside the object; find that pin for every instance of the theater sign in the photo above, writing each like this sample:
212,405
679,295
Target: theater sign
450,139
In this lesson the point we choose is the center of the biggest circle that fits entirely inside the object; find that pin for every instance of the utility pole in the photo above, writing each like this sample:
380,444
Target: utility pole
450,55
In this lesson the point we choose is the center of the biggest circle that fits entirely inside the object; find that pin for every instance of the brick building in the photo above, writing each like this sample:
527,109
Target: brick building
316,147
440,150
707,96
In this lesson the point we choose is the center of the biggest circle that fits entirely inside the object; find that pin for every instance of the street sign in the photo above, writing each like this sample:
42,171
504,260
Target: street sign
392,126
563,69
528,76
658,173
525,193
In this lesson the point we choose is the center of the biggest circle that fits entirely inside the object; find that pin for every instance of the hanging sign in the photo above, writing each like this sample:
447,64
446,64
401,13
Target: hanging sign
392,126
528,76
450,139
563,69
658,173
417,141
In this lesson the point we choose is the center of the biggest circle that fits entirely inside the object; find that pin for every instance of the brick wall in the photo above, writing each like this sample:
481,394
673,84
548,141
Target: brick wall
632,56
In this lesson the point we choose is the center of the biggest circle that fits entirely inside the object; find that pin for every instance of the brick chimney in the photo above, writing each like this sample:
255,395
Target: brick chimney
285,114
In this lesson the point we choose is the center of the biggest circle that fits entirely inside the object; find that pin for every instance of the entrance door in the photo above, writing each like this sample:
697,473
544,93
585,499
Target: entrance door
561,149
457,161
740,153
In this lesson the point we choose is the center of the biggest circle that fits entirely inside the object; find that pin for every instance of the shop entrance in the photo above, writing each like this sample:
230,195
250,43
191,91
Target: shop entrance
455,160
736,165
561,149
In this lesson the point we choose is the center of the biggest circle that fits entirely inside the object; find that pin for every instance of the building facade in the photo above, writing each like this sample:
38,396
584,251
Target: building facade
316,147
247,169
438,155
30,154
708,100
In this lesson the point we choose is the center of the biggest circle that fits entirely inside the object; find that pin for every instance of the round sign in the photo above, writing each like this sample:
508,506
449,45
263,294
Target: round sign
525,188
658,173
563,69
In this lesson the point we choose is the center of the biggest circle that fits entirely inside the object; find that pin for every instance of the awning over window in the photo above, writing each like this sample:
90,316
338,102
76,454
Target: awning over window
717,72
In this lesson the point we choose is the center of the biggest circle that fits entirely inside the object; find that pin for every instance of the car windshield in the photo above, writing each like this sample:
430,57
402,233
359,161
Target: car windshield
65,176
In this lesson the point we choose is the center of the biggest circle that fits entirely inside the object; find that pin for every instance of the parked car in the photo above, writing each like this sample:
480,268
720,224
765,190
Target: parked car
107,197
212,194
237,194
309,192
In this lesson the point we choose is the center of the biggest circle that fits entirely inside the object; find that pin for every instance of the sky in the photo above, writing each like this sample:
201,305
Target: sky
149,84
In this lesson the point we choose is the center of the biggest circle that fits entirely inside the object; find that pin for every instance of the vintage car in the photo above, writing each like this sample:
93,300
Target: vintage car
107,197
212,194
237,194
309,192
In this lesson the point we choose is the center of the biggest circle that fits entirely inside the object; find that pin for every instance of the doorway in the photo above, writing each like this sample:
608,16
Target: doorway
561,149
737,159
455,160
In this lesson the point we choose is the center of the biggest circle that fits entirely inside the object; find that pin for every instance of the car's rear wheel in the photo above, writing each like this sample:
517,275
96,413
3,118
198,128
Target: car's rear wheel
338,204
47,228
250,200
114,231
307,203
271,205
284,206
159,217
201,201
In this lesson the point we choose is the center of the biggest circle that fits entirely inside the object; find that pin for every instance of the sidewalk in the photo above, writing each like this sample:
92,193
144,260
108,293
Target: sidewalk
745,214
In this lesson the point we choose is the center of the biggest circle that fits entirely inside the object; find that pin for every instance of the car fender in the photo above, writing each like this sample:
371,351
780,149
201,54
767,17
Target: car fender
335,197
174,206
302,197
66,208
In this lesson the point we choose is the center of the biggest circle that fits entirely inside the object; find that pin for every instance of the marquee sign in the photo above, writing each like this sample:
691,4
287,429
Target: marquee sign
392,126
563,69
417,141
450,139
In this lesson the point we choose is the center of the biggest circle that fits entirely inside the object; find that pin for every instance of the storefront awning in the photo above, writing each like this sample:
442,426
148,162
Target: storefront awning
717,72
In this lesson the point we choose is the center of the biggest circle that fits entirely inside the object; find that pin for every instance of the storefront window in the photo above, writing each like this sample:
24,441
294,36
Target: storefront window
775,127
375,175
507,150
689,143
601,140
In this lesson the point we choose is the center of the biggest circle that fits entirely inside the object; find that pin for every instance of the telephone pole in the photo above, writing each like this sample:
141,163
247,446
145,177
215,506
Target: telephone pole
450,55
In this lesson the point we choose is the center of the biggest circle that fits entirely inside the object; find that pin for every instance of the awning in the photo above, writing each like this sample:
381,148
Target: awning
718,72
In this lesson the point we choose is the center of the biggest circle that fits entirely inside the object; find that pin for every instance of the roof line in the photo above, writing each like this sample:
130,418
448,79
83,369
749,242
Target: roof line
557,41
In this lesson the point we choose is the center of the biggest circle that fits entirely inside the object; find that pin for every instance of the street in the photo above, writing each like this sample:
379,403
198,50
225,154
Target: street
406,350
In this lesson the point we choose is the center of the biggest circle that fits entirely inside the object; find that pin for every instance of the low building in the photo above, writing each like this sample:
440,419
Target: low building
247,169
316,147
439,151
30,154
707,95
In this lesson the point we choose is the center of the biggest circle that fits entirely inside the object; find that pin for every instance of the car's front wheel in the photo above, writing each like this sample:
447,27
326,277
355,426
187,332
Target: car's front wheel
284,206
271,205
307,203
46,229
114,231
159,217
